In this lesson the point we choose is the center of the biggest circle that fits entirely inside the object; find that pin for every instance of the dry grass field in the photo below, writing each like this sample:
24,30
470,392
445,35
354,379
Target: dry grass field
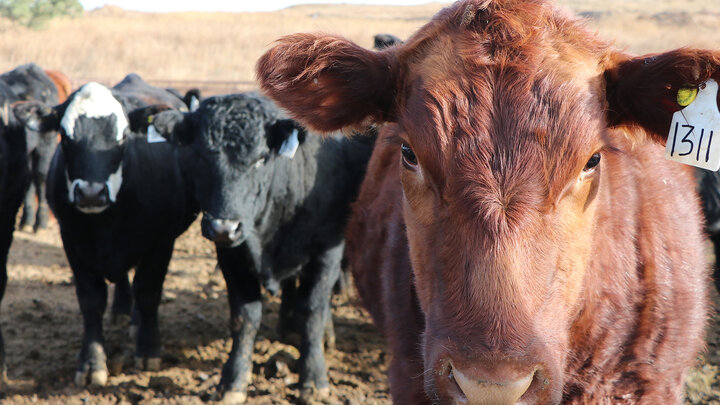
40,315
110,42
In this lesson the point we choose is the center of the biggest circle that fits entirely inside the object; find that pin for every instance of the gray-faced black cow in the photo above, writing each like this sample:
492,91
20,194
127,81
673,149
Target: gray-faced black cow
120,203
29,82
275,200
14,180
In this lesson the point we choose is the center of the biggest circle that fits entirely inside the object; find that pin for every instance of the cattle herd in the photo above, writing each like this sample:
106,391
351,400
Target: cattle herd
498,193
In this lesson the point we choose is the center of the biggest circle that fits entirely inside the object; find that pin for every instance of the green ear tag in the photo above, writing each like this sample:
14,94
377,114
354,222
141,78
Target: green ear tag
686,96
151,117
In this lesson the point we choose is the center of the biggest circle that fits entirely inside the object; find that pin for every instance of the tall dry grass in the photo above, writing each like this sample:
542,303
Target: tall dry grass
111,42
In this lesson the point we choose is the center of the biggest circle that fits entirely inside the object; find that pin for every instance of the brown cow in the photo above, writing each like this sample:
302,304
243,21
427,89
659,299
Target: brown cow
519,236
62,82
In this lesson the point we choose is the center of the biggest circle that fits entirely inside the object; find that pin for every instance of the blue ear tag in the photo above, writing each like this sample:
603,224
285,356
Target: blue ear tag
153,136
289,147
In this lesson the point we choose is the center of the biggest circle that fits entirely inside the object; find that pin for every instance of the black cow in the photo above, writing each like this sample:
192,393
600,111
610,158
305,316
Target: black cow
120,202
29,82
14,181
709,190
191,98
383,41
275,201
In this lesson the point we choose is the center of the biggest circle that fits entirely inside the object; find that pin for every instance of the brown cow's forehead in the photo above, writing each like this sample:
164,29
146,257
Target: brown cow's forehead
521,121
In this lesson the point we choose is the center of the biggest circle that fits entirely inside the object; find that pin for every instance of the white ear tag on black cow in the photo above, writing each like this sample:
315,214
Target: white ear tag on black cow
289,147
153,136
694,137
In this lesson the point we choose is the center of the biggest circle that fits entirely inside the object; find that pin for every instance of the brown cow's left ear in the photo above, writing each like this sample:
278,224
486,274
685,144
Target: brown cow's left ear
643,91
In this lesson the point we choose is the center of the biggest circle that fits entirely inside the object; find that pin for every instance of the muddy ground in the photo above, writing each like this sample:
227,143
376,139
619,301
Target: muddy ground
43,327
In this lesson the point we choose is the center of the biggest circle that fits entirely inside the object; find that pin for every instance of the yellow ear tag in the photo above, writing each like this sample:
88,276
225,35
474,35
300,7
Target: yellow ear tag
151,117
686,96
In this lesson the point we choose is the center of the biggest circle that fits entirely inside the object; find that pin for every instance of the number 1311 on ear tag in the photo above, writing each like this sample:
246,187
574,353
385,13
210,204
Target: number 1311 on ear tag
694,137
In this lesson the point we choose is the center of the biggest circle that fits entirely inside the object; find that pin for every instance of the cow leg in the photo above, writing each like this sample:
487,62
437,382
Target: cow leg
147,289
43,211
313,306
288,327
122,302
245,300
91,292
27,219
46,150
6,231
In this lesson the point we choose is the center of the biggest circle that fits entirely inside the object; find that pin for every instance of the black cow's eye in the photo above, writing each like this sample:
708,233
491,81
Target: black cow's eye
592,162
408,155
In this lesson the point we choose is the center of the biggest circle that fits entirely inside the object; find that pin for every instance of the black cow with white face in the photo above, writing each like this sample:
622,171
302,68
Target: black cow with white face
14,181
29,82
120,202
275,200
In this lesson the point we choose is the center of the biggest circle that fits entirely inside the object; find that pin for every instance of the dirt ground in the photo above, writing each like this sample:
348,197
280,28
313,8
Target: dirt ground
43,327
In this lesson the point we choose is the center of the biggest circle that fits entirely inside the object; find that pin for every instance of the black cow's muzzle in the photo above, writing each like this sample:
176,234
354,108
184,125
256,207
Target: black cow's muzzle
91,197
224,232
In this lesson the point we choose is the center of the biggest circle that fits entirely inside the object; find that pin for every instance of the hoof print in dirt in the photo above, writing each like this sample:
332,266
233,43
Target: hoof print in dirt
148,363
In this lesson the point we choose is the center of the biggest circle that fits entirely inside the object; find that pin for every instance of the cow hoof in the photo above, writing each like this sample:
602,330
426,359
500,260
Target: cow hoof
96,378
311,395
148,363
121,320
234,397
26,228
132,331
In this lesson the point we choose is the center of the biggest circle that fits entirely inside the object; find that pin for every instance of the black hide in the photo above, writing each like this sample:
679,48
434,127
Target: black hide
709,190
14,181
29,82
275,219
152,208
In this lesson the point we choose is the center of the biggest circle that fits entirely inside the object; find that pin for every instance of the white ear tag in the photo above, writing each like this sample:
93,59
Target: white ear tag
694,137
153,136
289,147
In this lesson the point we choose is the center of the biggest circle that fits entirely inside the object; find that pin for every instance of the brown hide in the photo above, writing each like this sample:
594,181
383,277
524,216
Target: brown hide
518,222
62,83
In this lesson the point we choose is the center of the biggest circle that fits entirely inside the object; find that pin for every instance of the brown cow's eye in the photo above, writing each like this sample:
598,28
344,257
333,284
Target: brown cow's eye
408,155
592,162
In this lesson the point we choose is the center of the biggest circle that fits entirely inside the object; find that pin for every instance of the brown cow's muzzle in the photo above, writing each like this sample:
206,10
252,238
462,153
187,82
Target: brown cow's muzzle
498,384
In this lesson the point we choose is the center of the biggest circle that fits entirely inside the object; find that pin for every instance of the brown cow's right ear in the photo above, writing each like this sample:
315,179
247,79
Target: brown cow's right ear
37,116
327,82
643,91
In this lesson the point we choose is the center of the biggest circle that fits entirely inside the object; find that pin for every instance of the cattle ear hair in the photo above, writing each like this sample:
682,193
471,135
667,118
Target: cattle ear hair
37,116
141,118
173,125
281,130
643,91
328,82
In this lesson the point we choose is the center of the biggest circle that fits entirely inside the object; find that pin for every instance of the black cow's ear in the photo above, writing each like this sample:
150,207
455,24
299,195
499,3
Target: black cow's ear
141,118
174,126
37,116
284,136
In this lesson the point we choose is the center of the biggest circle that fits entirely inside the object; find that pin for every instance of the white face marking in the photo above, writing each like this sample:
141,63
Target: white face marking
94,100
113,184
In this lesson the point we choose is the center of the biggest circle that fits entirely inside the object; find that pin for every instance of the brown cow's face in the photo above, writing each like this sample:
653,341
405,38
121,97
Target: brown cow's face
501,176
503,116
